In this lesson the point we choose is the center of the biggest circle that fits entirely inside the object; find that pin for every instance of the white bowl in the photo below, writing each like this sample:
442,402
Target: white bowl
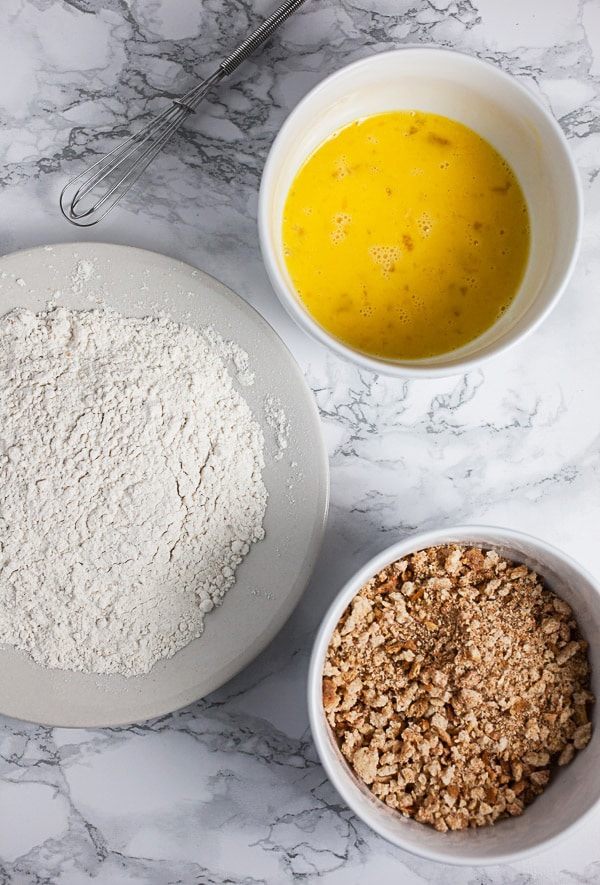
573,793
490,102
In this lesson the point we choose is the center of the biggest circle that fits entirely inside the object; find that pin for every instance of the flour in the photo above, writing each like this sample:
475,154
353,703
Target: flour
278,422
130,486
84,270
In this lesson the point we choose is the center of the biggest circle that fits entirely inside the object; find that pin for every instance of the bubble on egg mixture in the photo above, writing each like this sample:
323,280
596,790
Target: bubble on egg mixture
424,223
341,167
386,257
340,222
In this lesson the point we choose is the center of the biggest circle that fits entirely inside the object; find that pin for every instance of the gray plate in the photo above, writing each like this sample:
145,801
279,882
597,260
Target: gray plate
273,576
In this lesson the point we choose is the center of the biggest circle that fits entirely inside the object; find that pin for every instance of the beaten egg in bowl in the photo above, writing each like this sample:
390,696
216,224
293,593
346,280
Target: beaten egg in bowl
425,247
406,234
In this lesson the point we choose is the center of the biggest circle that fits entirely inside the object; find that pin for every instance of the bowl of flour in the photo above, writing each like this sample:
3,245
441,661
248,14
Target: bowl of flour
154,484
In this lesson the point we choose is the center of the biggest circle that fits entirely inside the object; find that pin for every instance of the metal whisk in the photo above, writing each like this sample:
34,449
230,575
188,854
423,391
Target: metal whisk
88,197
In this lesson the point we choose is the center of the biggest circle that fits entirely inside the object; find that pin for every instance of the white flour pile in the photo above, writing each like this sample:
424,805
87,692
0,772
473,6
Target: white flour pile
130,487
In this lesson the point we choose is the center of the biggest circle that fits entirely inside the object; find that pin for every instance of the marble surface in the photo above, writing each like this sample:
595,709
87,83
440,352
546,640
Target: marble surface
229,789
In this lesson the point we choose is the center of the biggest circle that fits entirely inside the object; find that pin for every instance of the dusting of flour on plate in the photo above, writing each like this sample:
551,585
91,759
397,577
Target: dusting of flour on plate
279,424
83,272
130,487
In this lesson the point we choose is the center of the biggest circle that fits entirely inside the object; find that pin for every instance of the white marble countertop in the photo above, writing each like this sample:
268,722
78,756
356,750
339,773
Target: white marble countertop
229,789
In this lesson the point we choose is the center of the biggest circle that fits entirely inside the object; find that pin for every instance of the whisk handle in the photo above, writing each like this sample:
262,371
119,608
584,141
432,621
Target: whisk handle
262,33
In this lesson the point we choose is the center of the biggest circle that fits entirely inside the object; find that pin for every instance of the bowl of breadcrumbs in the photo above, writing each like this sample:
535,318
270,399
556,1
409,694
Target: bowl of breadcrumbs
452,694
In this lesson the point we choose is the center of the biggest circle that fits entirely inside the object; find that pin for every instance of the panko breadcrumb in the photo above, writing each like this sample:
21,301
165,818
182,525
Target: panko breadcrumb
454,683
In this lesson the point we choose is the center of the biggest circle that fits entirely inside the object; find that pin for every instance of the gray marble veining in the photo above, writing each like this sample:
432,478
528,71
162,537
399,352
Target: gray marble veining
229,790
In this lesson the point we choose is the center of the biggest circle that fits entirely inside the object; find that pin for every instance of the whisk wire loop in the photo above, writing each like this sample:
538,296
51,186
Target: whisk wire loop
87,198
73,196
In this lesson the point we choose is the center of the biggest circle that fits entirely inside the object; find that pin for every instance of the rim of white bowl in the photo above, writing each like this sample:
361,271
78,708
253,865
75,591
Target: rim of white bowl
412,368
344,781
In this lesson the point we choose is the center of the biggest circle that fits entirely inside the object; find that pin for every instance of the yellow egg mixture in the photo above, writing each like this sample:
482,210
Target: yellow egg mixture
406,234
